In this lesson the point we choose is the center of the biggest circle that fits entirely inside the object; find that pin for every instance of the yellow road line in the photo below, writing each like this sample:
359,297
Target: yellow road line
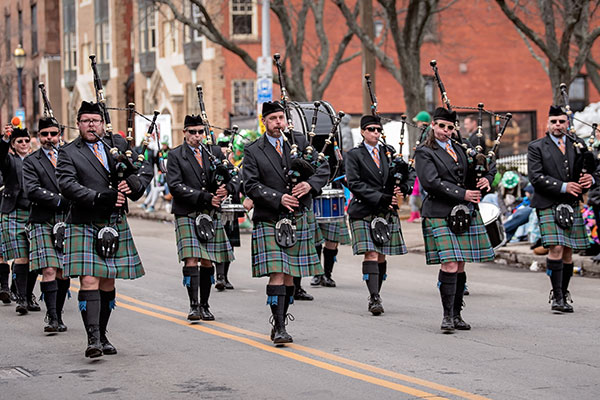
321,354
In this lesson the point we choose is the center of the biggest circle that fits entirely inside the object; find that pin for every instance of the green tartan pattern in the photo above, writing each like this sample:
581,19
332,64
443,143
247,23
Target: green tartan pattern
313,228
299,260
15,243
81,258
441,245
216,250
574,238
362,241
336,231
42,253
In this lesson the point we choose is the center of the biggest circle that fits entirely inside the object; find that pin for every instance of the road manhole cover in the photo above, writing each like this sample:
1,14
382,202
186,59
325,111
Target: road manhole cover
14,373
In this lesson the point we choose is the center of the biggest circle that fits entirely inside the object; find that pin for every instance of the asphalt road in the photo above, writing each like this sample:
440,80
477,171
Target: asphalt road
517,348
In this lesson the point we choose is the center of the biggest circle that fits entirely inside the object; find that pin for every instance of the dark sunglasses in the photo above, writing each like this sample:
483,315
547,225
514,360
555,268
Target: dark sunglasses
195,132
443,126
558,121
21,141
373,129
53,133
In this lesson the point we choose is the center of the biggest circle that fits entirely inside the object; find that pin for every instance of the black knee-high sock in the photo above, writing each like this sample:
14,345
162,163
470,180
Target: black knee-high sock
370,271
461,280
206,281
329,260
220,267
61,294
89,305
226,265
566,277
4,272
319,249
21,273
49,290
554,269
447,286
289,298
297,282
276,300
107,304
382,273
31,280
191,282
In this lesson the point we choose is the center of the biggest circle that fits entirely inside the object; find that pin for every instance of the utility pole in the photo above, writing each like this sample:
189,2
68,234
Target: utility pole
264,66
368,58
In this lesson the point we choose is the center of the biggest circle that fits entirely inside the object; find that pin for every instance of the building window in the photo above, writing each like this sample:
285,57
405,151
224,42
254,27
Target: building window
578,94
36,97
244,100
102,30
20,19
242,18
69,39
34,29
170,34
429,93
7,36
147,26
192,11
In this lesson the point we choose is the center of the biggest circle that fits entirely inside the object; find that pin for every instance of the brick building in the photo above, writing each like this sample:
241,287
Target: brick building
33,24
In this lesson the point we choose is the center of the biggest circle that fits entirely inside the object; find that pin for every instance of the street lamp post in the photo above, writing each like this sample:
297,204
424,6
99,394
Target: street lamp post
20,63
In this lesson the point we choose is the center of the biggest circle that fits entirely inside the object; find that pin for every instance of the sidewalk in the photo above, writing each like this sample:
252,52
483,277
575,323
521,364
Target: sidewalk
517,255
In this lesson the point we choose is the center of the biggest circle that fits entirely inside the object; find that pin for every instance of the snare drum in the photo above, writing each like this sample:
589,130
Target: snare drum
330,205
490,214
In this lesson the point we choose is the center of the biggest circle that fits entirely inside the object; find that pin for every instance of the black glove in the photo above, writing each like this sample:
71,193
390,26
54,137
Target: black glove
106,199
385,201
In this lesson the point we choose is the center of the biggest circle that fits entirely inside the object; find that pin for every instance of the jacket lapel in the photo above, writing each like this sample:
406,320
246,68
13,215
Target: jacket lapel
448,161
188,154
556,156
48,167
91,157
370,163
273,156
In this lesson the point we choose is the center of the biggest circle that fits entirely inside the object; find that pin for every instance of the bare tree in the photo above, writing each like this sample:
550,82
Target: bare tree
323,64
407,22
565,48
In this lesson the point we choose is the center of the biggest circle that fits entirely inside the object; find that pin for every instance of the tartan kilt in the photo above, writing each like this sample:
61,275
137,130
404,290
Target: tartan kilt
441,245
362,241
216,250
574,238
81,258
335,231
15,243
299,260
42,253
313,228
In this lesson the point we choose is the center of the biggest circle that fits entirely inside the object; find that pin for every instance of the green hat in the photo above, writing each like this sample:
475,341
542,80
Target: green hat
510,179
164,139
423,116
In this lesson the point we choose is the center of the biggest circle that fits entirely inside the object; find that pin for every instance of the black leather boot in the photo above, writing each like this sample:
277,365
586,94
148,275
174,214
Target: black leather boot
107,304
276,299
317,279
370,270
89,305
191,282
49,290
228,284
554,269
61,296
21,272
220,283
4,288
300,293
459,323
32,304
447,286
206,282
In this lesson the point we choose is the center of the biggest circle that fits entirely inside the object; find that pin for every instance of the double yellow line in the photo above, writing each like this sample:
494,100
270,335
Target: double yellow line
234,333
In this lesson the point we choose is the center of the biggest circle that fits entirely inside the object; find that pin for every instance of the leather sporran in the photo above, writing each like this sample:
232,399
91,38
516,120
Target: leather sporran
459,219
58,236
564,216
285,233
380,231
107,242
205,228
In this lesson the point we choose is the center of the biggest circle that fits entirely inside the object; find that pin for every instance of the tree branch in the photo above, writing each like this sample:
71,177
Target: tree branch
534,37
532,51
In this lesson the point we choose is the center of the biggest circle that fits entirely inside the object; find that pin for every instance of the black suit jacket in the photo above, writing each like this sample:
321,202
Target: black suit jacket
548,169
265,179
41,188
443,179
189,182
366,181
81,177
13,195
